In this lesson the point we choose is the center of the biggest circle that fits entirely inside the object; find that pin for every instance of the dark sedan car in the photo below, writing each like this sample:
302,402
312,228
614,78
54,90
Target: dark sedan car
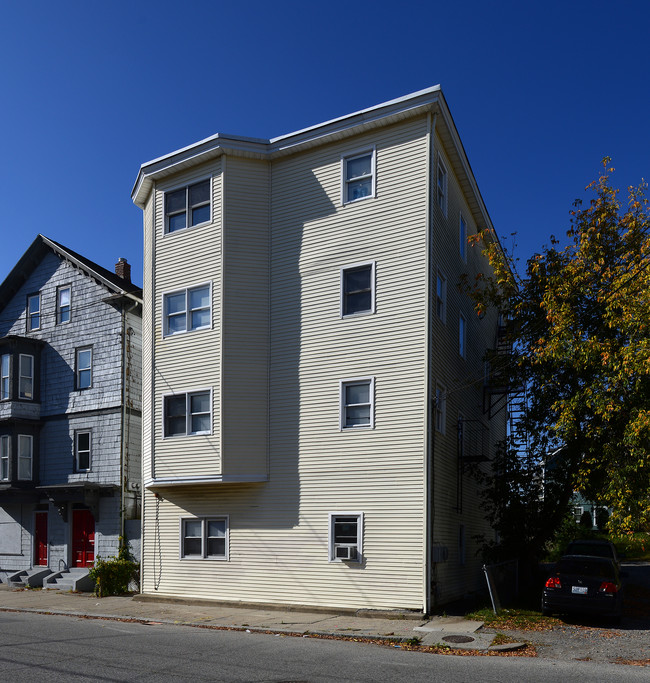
595,547
584,585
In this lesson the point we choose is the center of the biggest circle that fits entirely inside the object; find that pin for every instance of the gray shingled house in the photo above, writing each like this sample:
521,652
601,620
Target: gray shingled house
70,415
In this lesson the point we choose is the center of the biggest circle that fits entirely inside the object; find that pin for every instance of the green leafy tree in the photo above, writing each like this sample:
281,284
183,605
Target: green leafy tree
578,326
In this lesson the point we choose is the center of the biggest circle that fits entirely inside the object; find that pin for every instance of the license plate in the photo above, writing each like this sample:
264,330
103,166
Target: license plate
579,590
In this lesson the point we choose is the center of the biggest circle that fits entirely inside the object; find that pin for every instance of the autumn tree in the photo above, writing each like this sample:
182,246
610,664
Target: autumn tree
578,332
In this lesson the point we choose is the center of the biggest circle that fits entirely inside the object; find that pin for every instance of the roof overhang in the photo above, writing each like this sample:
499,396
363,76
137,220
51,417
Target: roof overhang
430,100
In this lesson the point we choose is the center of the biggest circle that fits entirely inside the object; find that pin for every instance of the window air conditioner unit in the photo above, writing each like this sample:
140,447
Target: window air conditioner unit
345,552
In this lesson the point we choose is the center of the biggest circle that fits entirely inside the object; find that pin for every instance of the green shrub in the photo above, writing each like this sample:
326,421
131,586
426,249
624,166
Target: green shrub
114,575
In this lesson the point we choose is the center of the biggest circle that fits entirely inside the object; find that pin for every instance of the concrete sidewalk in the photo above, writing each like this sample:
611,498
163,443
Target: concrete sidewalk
453,631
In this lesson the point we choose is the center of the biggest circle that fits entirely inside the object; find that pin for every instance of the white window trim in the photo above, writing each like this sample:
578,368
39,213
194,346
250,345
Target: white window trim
462,237
462,336
39,313
354,266
5,440
461,434
373,170
445,188
6,377
188,416
32,376
204,525
331,545
443,412
76,450
443,317
165,329
356,380
167,190
31,457
58,304
78,368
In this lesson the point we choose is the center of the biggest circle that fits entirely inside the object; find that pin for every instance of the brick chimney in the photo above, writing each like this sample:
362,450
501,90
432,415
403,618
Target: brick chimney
123,269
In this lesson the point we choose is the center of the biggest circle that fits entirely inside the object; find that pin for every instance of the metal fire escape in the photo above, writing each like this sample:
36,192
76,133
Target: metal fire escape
503,390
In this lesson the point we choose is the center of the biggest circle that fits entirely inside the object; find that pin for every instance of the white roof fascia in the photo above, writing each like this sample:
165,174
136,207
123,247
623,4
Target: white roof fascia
258,147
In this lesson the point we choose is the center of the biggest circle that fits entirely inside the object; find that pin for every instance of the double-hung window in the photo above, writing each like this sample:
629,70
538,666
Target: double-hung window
26,377
358,176
357,285
462,238
25,456
462,335
440,408
84,368
442,186
357,399
5,376
82,441
187,310
204,538
187,206
63,305
5,454
187,414
33,312
345,536
441,296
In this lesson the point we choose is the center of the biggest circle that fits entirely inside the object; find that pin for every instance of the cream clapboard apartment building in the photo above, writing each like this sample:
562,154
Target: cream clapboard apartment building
314,402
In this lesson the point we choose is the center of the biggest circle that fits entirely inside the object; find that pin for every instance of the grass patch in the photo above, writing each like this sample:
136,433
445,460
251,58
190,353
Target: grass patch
514,619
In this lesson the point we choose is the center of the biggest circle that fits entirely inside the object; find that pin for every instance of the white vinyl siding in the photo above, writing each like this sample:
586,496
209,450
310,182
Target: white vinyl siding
314,467
183,257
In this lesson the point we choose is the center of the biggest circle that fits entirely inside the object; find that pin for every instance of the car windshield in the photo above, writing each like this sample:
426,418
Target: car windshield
584,567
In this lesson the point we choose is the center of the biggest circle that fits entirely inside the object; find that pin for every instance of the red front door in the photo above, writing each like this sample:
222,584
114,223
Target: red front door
40,539
83,538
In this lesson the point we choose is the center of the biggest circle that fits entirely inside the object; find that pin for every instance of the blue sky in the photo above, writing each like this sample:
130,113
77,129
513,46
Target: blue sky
540,92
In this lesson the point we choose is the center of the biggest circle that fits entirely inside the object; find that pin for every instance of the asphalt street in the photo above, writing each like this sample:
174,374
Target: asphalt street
58,648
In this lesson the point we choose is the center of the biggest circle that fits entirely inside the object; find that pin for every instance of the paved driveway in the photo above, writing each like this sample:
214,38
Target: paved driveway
590,639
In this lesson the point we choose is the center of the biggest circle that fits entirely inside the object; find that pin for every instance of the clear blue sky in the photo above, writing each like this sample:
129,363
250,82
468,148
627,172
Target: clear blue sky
540,92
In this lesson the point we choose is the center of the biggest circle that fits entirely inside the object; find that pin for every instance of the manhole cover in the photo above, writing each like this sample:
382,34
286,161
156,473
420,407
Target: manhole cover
458,639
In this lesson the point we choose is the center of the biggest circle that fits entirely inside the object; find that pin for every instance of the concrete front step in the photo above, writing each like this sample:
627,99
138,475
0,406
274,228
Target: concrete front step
29,577
75,579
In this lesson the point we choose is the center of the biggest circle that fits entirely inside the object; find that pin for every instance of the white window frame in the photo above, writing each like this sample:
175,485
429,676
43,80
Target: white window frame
77,451
5,457
369,151
352,381
204,538
30,459
21,376
442,185
358,266
188,311
188,208
462,336
86,368
441,296
462,237
460,429
440,409
5,376
188,414
332,546
61,308
31,315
